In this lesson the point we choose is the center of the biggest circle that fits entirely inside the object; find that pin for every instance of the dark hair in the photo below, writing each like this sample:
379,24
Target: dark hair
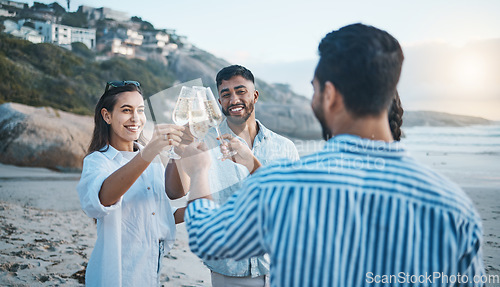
396,117
364,64
101,134
231,71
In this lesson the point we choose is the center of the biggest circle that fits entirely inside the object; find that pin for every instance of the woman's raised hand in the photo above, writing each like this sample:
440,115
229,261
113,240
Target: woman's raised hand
164,135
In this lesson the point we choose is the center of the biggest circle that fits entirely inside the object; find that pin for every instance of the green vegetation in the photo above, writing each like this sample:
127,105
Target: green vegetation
82,50
76,19
47,75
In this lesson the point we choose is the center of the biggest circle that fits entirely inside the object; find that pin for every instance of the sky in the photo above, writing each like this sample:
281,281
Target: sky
451,63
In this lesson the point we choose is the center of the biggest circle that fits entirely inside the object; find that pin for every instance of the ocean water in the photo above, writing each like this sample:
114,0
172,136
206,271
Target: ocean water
484,139
468,155
480,139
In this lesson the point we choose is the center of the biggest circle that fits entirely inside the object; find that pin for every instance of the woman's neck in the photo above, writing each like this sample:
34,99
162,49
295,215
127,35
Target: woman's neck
122,145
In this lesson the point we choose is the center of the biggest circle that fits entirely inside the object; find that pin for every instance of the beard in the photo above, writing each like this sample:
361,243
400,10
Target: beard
238,120
318,113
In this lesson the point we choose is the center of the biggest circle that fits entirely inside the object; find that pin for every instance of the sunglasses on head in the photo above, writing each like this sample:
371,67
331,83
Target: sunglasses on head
117,84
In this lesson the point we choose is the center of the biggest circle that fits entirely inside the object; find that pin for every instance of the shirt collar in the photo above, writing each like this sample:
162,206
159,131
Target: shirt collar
111,153
263,131
354,144
262,134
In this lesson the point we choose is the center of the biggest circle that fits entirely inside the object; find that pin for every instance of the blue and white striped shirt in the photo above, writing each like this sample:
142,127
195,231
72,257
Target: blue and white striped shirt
356,210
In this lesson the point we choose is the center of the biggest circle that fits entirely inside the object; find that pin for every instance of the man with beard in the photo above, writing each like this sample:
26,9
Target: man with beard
238,96
361,211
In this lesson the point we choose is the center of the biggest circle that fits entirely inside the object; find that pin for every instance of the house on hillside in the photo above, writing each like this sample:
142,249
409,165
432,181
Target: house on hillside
7,12
103,13
155,39
63,35
156,46
14,4
120,35
42,12
130,37
11,8
120,42
19,30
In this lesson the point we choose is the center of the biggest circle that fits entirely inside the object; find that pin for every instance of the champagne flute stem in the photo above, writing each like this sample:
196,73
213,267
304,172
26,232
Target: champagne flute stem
228,153
218,134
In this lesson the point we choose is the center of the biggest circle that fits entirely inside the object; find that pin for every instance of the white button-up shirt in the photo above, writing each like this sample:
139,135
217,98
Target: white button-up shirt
129,232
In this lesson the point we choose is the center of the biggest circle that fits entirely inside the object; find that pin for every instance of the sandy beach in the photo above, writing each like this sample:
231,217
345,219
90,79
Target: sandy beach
46,239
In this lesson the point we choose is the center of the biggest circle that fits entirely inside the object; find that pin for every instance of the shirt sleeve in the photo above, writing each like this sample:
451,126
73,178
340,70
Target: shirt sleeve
95,171
231,231
471,261
292,152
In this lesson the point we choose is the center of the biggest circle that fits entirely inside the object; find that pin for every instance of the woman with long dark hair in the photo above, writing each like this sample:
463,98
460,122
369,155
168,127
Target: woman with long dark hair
122,186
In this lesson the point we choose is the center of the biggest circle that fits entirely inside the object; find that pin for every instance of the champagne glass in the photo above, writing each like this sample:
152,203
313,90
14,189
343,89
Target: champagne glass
198,116
180,115
215,118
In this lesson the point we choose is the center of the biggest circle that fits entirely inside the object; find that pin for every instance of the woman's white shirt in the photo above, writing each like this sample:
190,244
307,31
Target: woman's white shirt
128,232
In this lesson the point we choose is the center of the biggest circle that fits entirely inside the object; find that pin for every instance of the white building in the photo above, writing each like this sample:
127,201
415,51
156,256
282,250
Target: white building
86,36
123,42
130,37
11,8
63,35
15,4
120,48
102,13
155,39
23,32
5,12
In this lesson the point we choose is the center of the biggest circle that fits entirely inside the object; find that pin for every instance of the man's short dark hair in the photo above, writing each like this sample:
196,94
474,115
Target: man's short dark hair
231,71
364,64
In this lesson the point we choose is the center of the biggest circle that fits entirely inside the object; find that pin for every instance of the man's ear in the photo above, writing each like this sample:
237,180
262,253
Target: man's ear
255,96
332,99
106,115
219,101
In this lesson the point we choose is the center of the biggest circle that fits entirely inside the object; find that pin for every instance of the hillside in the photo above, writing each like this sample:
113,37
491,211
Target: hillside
195,63
50,76
47,75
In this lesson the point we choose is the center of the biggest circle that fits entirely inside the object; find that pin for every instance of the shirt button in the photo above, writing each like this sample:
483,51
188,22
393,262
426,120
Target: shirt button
149,188
153,213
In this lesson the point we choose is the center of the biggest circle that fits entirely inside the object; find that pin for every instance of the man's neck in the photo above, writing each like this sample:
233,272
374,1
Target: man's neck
247,130
373,128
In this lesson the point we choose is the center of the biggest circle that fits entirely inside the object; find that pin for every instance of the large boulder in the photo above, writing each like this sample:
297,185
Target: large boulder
43,137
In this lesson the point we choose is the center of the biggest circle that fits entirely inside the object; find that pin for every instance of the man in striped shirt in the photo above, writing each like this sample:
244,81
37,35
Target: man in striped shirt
361,212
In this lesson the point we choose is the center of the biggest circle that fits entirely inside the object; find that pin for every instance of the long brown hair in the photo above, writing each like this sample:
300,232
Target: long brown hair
396,117
101,134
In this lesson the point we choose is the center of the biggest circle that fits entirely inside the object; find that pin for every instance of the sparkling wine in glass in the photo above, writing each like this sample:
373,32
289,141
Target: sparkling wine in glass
199,123
215,118
180,115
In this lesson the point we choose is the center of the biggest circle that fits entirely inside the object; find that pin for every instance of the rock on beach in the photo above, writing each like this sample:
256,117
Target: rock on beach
43,137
